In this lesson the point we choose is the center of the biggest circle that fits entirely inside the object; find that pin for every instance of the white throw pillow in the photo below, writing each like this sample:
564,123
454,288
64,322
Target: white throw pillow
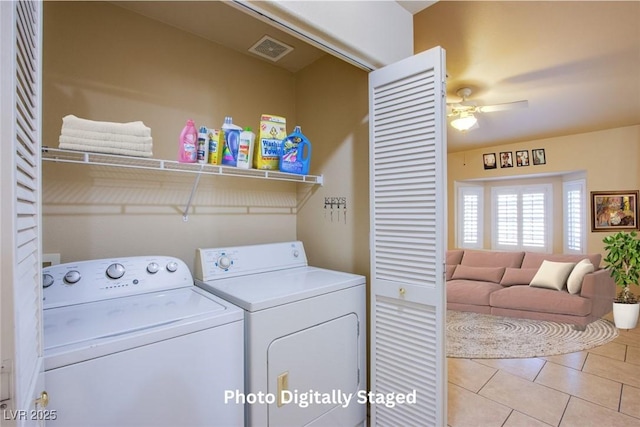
552,275
574,282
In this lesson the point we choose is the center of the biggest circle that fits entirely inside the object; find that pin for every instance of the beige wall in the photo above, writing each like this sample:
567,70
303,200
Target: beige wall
608,158
105,63
335,113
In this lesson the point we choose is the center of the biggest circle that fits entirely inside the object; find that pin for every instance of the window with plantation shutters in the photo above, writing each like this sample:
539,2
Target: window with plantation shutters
470,222
522,218
506,223
533,220
574,213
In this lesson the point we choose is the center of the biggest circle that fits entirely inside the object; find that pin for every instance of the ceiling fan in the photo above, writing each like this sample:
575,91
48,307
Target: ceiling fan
463,112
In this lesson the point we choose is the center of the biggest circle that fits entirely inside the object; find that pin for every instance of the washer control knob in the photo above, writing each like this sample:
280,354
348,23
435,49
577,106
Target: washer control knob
47,280
296,253
72,277
172,267
115,271
153,267
224,262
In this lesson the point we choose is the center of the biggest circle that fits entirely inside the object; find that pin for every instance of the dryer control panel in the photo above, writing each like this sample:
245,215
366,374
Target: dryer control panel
95,280
221,263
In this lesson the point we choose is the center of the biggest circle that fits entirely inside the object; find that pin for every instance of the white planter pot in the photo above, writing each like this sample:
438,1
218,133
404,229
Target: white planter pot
625,316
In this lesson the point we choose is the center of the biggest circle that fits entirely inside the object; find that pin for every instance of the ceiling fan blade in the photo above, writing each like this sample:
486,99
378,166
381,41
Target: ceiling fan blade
455,109
503,107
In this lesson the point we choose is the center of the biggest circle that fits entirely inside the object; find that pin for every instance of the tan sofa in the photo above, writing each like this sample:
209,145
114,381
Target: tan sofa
529,285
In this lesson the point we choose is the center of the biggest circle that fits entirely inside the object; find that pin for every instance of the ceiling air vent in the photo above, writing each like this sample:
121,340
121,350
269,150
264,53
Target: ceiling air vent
270,48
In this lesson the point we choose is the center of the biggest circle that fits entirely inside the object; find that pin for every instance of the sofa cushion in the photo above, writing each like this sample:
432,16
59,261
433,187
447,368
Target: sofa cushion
518,276
534,259
454,256
471,292
552,275
492,259
528,298
574,282
483,274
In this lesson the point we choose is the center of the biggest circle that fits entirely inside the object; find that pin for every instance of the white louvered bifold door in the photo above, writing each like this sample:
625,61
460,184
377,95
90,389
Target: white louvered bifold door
408,228
20,236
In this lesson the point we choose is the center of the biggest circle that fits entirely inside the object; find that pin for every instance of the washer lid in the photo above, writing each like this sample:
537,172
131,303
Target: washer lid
118,317
260,291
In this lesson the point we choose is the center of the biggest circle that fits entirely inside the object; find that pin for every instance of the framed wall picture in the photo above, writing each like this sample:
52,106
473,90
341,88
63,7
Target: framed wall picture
489,161
538,156
522,158
506,159
614,210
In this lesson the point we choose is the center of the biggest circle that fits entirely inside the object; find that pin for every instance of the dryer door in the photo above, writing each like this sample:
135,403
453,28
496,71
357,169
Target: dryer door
315,367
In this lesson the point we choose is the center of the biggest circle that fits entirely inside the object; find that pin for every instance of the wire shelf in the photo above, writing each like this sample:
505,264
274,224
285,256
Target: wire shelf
81,157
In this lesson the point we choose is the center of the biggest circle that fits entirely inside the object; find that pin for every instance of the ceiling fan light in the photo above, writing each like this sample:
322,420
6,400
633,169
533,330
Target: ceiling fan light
465,122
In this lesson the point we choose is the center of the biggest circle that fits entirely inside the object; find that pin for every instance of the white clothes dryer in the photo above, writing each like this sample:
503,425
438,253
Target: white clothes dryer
305,351
132,342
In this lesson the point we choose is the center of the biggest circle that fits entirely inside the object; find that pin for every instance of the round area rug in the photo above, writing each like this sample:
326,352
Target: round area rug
483,336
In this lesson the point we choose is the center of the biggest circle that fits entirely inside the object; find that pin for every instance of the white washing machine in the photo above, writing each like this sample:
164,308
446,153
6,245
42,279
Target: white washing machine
305,350
132,342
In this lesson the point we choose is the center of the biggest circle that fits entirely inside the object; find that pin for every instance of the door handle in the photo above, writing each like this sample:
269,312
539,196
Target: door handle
283,384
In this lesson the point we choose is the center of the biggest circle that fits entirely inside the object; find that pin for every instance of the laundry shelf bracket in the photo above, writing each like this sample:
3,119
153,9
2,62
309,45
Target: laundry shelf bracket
185,213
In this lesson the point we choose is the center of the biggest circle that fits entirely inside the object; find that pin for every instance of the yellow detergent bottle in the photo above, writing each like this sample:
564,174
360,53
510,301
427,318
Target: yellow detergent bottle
216,142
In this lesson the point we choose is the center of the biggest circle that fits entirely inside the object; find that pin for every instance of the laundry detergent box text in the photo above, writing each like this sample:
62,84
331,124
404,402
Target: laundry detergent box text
273,129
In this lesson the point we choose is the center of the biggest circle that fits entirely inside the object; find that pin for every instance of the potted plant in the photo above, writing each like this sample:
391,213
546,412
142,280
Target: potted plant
623,263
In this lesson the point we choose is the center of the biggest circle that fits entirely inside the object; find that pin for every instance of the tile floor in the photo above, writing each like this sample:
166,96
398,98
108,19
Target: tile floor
599,387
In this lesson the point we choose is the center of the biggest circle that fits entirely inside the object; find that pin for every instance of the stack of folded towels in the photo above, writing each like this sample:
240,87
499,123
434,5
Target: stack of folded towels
127,139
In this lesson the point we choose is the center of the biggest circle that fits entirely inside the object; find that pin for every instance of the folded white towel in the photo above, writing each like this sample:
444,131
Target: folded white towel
104,136
132,128
104,150
131,146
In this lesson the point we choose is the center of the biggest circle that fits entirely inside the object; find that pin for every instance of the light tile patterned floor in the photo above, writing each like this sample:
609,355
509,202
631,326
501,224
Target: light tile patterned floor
599,387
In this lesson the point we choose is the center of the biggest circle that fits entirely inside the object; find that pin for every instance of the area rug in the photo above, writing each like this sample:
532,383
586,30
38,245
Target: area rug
483,336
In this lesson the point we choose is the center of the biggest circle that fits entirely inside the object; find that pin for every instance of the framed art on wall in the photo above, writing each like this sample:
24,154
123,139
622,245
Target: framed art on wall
538,156
489,160
522,158
614,210
506,159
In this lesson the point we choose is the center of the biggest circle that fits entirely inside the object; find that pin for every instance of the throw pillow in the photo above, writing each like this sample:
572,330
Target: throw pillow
450,269
518,276
484,274
552,275
574,282
453,256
